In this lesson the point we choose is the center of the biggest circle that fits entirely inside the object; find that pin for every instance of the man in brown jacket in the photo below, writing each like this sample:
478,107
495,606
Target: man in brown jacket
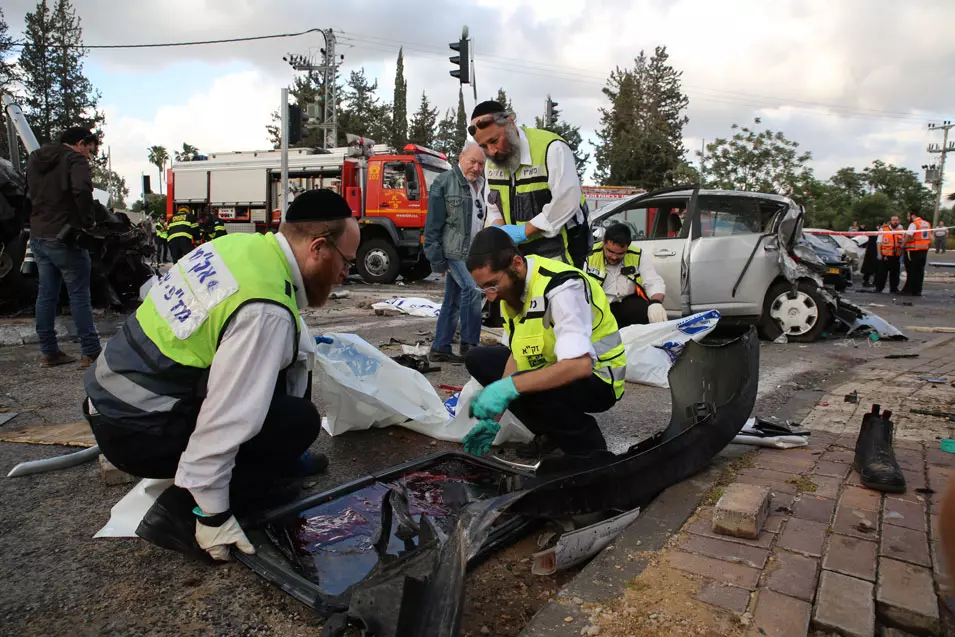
60,186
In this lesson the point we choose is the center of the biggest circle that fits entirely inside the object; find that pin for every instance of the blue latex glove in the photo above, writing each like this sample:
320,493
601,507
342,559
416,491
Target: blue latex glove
517,234
324,339
479,439
490,402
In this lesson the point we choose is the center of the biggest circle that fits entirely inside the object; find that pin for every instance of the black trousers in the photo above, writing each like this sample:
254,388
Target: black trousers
915,271
291,426
888,268
562,413
630,310
179,247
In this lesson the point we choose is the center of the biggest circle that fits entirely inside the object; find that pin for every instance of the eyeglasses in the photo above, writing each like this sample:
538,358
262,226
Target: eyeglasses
487,120
491,289
348,262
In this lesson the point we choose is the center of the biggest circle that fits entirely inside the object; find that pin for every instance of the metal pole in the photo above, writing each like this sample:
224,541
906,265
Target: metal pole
702,162
284,185
941,178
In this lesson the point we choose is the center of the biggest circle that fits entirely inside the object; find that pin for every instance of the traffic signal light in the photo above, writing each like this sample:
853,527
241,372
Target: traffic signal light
549,111
295,132
146,186
462,60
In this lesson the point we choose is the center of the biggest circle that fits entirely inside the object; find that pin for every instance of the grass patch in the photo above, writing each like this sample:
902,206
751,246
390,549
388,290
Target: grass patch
713,496
803,484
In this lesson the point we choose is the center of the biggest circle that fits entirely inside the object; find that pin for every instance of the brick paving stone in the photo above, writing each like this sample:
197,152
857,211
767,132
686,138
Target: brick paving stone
939,477
779,616
704,528
908,445
911,460
801,453
831,469
848,522
935,526
780,463
780,475
723,550
844,606
826,487
914,480
861,498
838,455
913,514
846,442
934,455
810,507
774,485
905,596
792,574
895,632
729,597
774,523
905,544
909,496
736,574
851,556
803,536
781,501
854,479
741,510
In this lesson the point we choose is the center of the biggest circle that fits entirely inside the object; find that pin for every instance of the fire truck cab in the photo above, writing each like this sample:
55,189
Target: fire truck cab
387,192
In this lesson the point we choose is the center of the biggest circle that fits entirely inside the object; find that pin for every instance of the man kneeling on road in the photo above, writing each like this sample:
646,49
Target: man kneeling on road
208,382
634,289
565,359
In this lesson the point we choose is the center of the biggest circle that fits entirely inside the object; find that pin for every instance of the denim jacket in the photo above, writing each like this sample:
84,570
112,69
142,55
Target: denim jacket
447,231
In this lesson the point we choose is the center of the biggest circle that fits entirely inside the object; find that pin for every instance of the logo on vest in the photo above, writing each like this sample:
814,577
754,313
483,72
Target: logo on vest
495,173
537,304
530,171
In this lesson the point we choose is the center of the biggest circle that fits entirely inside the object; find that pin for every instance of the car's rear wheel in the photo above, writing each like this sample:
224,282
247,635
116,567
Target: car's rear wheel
801,314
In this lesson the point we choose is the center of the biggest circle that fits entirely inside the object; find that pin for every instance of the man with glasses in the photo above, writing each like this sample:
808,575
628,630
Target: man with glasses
209,381
632,285
564,360
532,190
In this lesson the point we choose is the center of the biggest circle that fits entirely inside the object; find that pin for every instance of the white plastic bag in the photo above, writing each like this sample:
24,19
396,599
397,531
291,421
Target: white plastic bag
362,388
412,306
652,349
126,514
512,430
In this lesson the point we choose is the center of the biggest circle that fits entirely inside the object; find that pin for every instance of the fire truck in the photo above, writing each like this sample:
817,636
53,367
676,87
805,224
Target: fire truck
598,196
387,192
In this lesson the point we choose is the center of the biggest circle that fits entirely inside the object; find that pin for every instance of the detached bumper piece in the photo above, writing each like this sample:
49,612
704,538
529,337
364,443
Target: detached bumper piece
389,552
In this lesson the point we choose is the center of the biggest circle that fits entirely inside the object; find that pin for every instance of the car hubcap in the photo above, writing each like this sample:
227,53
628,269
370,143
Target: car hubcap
377,262
796,313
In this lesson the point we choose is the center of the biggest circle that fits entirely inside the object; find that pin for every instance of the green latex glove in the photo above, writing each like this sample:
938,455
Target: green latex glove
490,402
479,439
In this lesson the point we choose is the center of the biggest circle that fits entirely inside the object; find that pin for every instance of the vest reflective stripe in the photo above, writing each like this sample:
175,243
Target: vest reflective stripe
596,267
134,395
891,245
533,342
523,195
182,224
921,239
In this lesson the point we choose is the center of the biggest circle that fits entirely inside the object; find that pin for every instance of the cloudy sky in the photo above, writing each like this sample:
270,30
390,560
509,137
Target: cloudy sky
851,80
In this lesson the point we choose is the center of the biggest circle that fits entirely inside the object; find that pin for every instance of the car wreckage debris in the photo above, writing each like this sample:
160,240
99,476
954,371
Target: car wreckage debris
402,539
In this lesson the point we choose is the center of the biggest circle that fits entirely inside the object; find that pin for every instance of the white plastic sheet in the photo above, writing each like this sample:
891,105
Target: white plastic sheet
413,306
652,349
126,514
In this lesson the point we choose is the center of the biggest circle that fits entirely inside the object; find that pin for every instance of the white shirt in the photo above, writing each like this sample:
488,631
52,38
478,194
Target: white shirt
564,187
571,315
478,215
256,346
616,285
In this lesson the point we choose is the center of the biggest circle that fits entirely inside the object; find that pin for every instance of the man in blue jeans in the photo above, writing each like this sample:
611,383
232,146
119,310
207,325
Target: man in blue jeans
455,215
60,187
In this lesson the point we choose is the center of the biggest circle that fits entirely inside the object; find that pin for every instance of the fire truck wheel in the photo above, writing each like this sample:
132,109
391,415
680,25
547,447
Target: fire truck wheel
378,261
416,271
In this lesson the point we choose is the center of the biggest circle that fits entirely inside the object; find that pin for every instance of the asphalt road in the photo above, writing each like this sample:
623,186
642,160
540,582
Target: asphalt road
57,580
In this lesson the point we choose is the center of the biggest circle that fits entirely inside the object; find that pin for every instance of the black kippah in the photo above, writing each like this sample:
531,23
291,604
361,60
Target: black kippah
318,205
486,108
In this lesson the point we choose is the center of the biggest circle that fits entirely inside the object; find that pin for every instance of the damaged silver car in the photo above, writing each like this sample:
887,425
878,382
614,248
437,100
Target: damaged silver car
738,252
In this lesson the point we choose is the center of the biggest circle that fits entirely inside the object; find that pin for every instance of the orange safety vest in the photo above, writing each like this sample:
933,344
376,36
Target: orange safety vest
891,245
920,240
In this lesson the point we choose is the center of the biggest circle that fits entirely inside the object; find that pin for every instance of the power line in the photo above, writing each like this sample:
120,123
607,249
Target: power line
252,38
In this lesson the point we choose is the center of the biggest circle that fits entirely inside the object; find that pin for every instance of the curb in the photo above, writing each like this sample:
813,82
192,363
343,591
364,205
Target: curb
13,334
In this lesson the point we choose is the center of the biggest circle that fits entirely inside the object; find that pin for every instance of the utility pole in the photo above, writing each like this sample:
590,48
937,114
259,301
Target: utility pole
329,69
284,187
944,150
702,163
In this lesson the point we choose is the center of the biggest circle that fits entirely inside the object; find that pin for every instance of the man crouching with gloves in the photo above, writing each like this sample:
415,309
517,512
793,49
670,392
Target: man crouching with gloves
564,360
209,381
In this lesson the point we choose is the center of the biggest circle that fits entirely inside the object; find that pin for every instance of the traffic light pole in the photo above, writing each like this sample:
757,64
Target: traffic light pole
283,205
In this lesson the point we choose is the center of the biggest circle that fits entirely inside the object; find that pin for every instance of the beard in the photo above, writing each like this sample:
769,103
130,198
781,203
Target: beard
511,160
515,290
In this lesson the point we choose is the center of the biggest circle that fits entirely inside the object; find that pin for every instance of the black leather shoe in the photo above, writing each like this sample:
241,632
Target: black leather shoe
875,460
542,445
170,523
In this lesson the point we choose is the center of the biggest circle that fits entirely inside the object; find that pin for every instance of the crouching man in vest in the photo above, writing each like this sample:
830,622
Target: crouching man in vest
209,381
634,289
564,361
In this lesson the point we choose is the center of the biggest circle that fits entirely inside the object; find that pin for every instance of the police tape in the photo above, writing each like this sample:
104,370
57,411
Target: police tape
870,233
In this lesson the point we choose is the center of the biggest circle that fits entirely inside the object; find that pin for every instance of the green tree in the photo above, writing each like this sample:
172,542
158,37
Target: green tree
641,131
308,89
444,139
399,108
42,99
158,158
502,98
901,185
362,113
423,123
109,180
571,135
8,78
155,207
759,161
461,125
188,152
873,210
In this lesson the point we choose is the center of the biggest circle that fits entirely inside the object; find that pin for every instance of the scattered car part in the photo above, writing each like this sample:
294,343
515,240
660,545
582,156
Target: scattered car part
853,397
579,546
947,415
54,464
894,356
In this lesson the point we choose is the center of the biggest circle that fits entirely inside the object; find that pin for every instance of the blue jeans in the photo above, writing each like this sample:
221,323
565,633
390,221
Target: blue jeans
460,296
58,263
